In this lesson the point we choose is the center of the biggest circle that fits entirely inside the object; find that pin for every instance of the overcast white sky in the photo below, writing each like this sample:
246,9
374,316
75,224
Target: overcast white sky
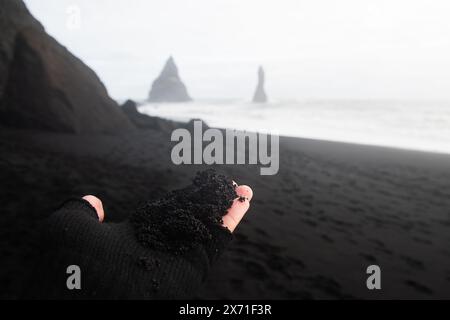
321,49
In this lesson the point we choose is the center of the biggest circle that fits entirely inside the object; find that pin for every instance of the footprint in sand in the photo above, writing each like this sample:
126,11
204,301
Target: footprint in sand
419,287
414,263
256,269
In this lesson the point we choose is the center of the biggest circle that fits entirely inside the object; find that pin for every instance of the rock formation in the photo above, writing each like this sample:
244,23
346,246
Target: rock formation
168,87
43,86
143,121
260,95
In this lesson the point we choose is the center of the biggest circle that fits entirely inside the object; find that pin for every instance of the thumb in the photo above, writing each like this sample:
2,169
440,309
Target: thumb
97,204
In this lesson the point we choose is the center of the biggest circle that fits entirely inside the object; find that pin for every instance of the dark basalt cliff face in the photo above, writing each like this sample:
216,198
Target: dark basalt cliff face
168,87
260,94
43,86
143,121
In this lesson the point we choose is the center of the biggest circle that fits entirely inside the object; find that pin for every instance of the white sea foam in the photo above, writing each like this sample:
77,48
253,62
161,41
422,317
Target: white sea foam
416,125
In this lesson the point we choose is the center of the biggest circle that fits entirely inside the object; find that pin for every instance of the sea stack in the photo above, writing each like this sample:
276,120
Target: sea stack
260,95
168,87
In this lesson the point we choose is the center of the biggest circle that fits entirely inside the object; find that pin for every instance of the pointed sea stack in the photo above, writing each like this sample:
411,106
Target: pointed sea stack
168,87
260,95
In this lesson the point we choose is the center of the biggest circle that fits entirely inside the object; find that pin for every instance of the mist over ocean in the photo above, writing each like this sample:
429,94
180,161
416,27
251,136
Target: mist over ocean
415,125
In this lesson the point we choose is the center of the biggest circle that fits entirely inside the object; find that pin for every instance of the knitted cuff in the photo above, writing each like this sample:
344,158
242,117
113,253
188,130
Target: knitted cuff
79,204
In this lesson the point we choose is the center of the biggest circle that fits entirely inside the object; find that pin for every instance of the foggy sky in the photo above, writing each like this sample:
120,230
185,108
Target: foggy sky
321,49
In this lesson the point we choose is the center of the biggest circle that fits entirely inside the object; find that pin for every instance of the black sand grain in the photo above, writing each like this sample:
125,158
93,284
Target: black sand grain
183,218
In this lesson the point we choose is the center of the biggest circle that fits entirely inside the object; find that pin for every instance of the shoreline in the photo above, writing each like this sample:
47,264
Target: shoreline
419,144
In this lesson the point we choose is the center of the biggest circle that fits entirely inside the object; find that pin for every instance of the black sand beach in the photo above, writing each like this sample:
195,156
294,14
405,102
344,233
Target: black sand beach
312,230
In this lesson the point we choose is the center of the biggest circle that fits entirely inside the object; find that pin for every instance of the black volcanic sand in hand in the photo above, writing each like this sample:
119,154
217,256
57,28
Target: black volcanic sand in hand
183,219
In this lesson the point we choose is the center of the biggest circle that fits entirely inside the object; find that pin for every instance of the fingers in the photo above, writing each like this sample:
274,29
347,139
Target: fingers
239,208
230,220
98,206
245,191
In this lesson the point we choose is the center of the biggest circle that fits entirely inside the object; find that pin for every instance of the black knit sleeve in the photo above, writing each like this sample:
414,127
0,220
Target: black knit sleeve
79,207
